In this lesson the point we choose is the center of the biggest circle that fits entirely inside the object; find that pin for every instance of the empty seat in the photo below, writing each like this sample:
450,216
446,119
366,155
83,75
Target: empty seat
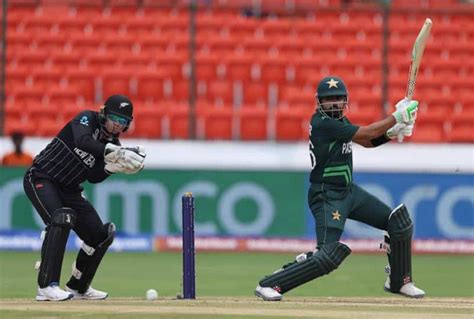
220,92
462,133
178,117
427,133
255,93
101,61
46,78
148,121
253,123
149,85
116,82
66,60
22,125
216,122
289,124
49,127
84,81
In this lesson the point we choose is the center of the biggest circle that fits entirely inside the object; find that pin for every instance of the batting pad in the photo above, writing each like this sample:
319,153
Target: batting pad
321,263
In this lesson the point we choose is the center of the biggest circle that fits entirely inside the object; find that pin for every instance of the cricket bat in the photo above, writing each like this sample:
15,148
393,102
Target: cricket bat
416,55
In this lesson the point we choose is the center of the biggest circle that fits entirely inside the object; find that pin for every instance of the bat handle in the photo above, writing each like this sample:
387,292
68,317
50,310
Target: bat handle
400,137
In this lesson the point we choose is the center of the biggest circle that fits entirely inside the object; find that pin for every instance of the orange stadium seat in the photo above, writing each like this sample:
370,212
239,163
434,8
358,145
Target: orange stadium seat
66,60
31,58
427,133
149,85
253,123
140,61
22,125
49,127
45,78
62,98
178,117
289,124
180,91
85,43
259,46
116,82
101,61
120,43
51,42
72,25
206,67
273,69
223,46
16,77
243,26
276,28
216,122
28,95
238,67
255,93
106,24
148,121
140,25
220,92
14,109
171,64
85,81
463,133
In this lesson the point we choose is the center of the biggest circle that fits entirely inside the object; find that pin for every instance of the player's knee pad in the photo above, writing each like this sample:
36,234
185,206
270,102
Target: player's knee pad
400,231
325,260
88,260
54,244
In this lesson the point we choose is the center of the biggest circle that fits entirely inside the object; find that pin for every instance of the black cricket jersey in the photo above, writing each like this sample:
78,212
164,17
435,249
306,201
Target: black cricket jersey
330,146
76,154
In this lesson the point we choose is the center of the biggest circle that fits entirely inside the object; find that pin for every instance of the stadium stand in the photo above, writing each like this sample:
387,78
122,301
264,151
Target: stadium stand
256,70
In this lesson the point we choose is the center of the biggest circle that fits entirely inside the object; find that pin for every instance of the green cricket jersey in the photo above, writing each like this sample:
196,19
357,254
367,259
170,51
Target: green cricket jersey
330,149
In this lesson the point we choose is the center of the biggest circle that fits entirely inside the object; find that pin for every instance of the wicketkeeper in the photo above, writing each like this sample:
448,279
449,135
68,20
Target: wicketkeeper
86,149
333,197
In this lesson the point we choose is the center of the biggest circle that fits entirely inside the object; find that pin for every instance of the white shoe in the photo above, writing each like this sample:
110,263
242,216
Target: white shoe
52,293
407,290
267,293
89,294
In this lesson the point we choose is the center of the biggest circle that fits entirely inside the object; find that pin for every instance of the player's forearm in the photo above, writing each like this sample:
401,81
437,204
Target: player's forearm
374,130
90,145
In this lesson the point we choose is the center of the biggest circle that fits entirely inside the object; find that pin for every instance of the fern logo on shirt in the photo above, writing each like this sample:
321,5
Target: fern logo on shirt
88,159
347,148
84,121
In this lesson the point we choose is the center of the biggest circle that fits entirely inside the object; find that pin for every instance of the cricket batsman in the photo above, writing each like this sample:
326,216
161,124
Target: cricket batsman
86,149
333,197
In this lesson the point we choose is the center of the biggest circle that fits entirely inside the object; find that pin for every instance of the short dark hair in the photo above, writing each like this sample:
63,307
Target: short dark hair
17,135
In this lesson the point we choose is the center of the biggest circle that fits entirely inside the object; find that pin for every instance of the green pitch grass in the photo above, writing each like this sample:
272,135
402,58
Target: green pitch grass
237,274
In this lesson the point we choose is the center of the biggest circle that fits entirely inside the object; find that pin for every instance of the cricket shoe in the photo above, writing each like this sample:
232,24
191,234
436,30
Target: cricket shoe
408,290
267,293
89,294
52,293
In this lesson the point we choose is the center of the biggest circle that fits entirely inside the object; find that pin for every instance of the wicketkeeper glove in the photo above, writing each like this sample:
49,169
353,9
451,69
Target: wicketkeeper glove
123,168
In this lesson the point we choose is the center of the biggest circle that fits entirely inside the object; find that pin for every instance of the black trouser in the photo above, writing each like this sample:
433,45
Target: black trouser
47,196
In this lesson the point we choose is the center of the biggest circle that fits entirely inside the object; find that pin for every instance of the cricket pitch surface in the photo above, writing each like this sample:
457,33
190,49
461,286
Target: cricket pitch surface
245,307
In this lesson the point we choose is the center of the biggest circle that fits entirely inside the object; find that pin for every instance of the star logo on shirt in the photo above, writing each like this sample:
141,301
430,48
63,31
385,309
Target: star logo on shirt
336,215
332,83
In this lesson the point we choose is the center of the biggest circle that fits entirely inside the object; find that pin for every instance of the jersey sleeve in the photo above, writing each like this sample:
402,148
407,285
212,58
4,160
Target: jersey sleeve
97,174
83,126
328,130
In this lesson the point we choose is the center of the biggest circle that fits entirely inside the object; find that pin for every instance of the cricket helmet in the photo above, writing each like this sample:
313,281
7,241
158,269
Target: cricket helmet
328,87
119,105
